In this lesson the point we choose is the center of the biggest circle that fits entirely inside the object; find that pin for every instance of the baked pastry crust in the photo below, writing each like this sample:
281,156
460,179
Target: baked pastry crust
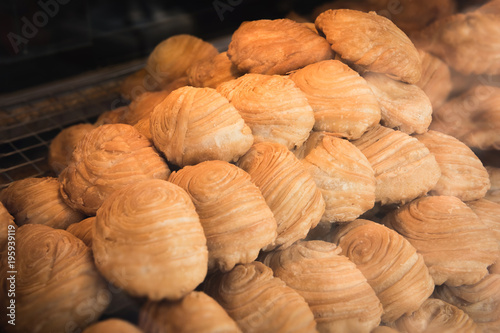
38,201
337,292
272,106
436,315
114,116
143,106
342,101
106,159
493,193
260,302
343,175
5,221
481,301
212,72
288,188
372,42
195,312
462,172
56,284
403,106
171,58
83,230
192,125
62,146
234,214
112,325
457,247
147,239
276,47
392,266
436,79
468,42
404,168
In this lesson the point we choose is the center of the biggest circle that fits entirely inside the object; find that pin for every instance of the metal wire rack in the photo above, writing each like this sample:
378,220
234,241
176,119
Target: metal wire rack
31,119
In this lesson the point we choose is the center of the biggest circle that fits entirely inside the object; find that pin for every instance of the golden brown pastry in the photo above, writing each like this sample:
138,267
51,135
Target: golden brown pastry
62,146
144,127
337,292
341,100
171,58
147,239
462,172
272,106
468,42
194,313
392,266
457,247
260,302
6,224
489,213
437,316
276,47
372,42
193,125
106,159
343,175
83,230
384,329
114,116
234,214
404,168
212,72
38,201
57,285
288,188
485,133
408,15
481,301
493,193
403,106
112,325
436,79
143,106
133,85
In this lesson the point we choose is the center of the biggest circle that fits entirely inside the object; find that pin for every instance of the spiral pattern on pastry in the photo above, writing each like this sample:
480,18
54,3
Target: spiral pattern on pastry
462,172
38,201
195,312
481,301
337,292
276,47
171,58
289,189
83,230
106,159
260,302
404,168
391,265
343,175
489,213
403,106
437,316
212,72
62,146
112,325
234,214
272,106
56,285
341,99
371,41
194,125
147,239
457,247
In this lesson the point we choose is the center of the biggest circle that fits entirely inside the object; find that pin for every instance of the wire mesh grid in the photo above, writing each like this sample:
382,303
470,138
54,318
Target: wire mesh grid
31,126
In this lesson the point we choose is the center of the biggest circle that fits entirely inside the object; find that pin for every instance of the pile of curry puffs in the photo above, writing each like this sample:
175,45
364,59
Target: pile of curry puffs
314,177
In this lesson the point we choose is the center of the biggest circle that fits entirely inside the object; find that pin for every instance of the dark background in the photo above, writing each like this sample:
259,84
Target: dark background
46,40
